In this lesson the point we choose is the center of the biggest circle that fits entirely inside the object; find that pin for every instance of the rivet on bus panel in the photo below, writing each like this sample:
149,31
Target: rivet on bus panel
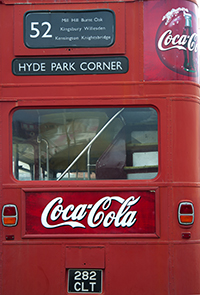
9,215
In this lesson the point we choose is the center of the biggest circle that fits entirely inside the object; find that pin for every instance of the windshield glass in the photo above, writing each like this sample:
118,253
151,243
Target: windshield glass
82,144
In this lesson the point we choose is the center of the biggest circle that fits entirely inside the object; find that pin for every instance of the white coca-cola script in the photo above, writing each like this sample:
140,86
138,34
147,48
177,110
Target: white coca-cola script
95,215
167,41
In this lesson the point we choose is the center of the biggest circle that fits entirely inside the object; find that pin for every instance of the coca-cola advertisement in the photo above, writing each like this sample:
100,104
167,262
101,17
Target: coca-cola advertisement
171,40
92,212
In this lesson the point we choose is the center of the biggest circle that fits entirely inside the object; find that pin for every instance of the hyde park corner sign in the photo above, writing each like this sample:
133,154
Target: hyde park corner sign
69,66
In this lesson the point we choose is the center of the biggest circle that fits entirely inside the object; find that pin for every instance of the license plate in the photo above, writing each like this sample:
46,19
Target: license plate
85,281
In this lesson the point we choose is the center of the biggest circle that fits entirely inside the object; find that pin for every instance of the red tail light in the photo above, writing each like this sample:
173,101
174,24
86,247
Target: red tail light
186,213
9,215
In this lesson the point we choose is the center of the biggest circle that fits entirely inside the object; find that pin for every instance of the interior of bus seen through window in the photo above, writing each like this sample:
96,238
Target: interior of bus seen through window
83,144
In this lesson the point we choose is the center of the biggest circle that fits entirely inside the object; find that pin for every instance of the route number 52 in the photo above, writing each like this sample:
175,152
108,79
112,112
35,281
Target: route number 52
35,28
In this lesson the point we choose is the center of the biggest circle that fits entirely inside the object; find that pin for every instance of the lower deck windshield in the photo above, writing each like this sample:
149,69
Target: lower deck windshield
85,144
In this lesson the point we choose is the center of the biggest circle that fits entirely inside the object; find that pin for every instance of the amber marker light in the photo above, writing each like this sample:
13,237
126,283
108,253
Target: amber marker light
9,215
186,213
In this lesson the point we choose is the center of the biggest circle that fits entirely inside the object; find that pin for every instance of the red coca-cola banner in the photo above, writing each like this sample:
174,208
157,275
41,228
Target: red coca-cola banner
93,212
171,40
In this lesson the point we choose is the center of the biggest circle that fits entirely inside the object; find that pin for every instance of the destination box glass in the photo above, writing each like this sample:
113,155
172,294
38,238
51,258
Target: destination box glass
56,29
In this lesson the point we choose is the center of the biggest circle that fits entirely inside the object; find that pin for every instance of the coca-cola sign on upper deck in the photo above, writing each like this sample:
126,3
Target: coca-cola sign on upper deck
173,52
90,212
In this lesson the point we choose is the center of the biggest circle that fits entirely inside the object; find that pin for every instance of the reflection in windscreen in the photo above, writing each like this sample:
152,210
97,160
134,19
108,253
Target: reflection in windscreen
82,144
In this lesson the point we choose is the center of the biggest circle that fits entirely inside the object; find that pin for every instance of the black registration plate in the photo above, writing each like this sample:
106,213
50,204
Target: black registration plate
85,281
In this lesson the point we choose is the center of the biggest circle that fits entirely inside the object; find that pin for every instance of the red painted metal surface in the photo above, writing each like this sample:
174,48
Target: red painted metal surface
152,256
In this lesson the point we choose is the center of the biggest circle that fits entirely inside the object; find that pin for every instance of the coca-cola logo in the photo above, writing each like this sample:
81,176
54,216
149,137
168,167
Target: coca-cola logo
90,212
185,42
55,214
177,41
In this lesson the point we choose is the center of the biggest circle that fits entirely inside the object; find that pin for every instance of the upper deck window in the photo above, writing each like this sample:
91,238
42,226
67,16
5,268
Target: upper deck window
82,144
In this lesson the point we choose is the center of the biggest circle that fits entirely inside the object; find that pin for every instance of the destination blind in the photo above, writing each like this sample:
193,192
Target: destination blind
56,29
70,66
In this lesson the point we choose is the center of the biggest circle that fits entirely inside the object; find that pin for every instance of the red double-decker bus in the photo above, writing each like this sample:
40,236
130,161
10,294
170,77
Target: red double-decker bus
99,147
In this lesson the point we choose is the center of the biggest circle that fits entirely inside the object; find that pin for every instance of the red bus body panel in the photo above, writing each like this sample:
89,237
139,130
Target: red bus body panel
152,255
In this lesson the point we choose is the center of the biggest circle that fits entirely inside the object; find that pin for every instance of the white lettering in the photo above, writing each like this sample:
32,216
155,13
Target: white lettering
29,66
76,288
98,19
174,42
192,43
79,213
82,66
119,65
129,217
113,65
66,211
43,69
36,67
83,288
57,211
62,66
92,286
70,29
91,66
98,214
47,210
85,20
183,42
167,40
101,66
22,67
32,67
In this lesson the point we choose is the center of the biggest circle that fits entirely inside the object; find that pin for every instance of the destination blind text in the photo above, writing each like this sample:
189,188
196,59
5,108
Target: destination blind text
69,66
